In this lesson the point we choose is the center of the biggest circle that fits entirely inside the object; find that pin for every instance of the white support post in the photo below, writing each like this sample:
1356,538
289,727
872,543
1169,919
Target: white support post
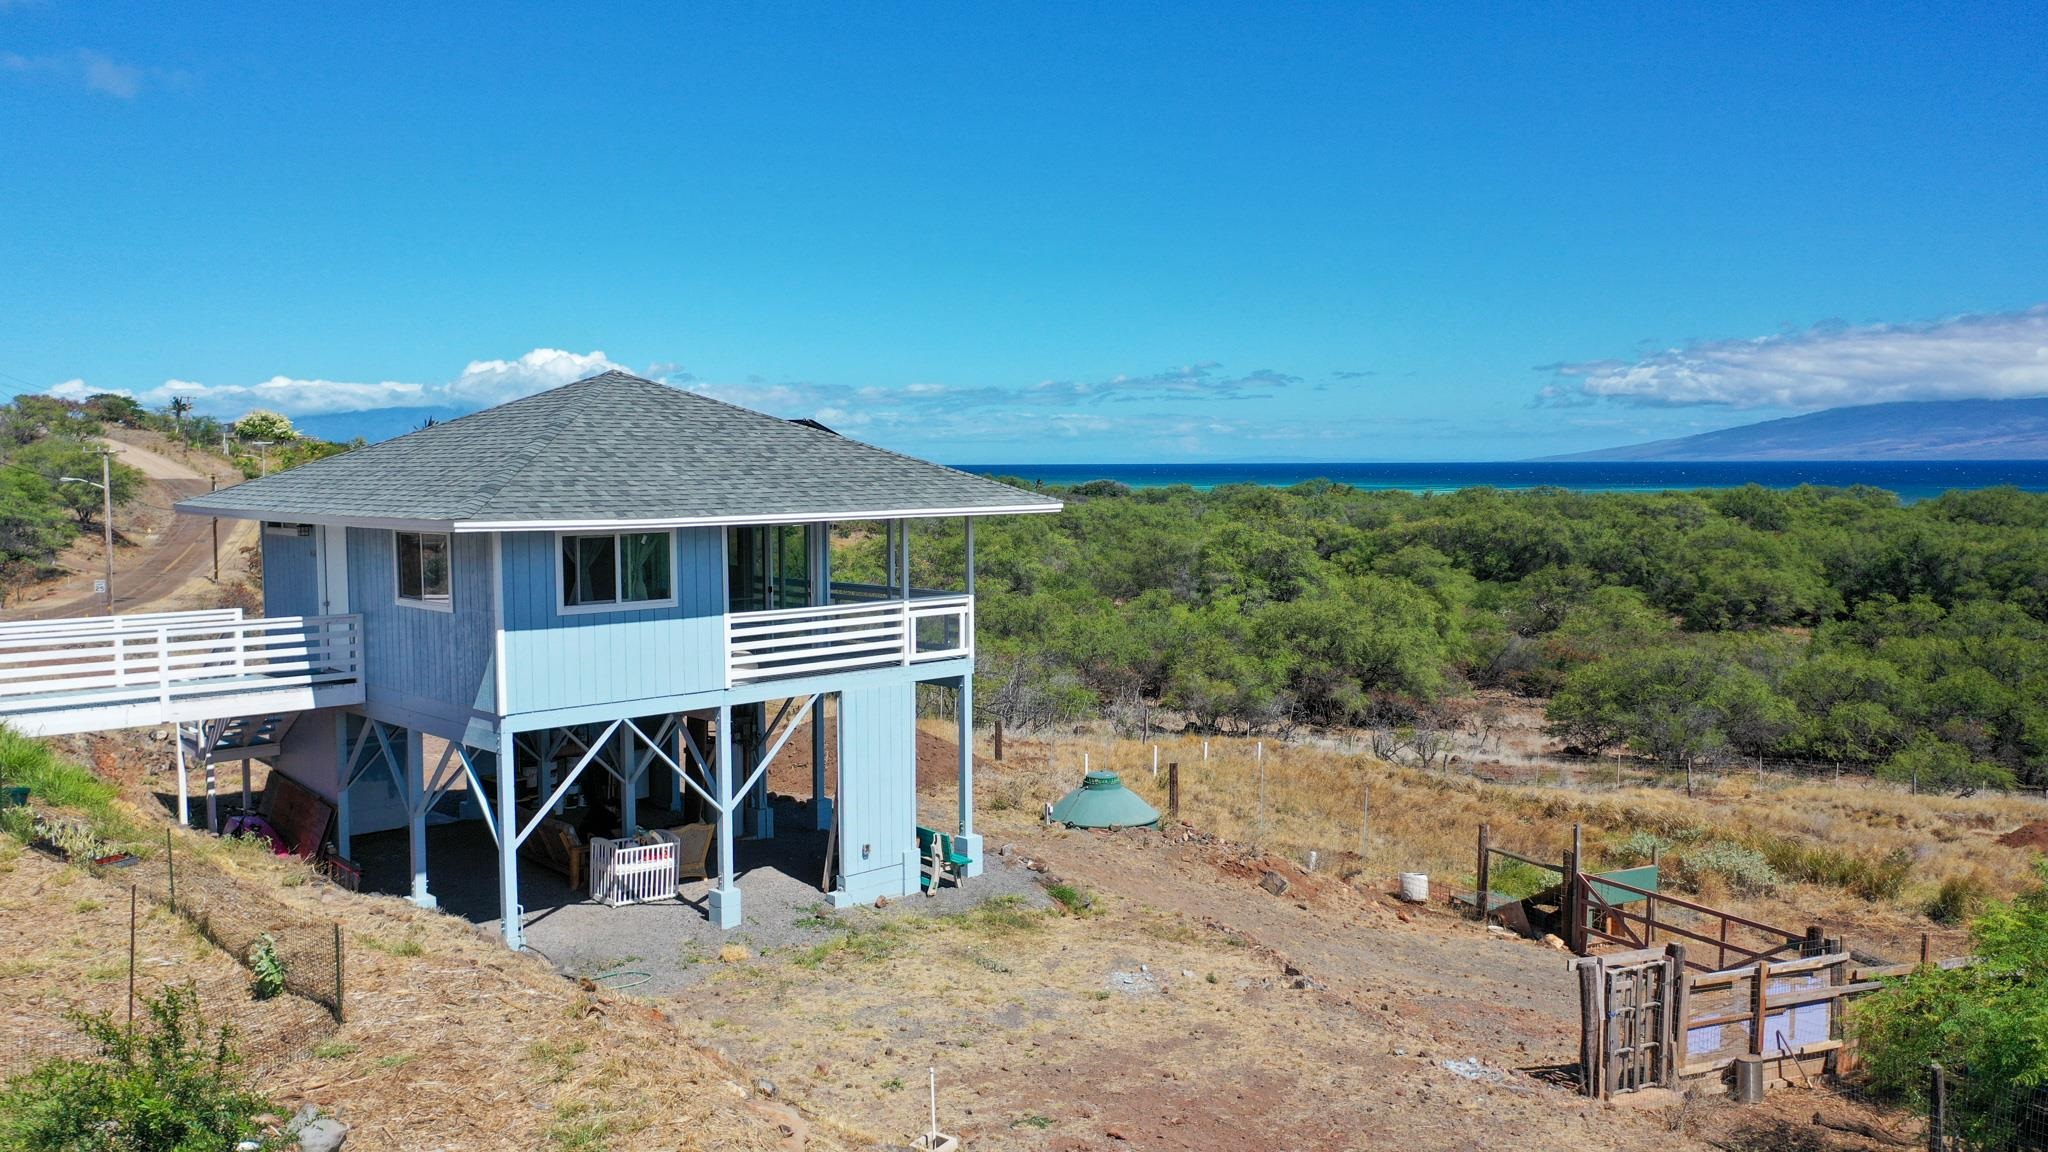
724,900
212,782
675,754
760,813
969,521
184,784
629,782
508,847
967,843
821,804
343,778
417,799
545,775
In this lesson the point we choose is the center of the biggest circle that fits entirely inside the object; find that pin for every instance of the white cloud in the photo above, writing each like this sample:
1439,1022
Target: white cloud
488,382
104,74
97,71
1992,355
482,384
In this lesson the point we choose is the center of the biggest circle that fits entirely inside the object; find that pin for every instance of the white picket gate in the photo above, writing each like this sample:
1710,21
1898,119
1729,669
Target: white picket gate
629,872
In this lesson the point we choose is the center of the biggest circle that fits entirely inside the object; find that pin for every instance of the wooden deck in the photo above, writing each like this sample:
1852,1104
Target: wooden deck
98,673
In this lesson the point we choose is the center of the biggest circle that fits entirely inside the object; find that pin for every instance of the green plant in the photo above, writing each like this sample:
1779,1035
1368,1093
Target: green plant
19,823
335,1050
267,968
1639,846
1743,868
1960,898
1518,881
1987,1021
1071,899
172,1086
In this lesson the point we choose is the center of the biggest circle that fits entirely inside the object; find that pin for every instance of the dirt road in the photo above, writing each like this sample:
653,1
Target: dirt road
162,561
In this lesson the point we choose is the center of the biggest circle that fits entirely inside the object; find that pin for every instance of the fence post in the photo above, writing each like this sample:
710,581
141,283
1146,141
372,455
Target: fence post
131,959
1173,789
999,739
1484,877
171,870
340,1014
1937,1108
1574,916
1760,997
1650,901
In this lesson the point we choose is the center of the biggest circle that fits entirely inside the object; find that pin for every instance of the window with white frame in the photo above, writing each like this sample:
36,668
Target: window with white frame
617,570
423,568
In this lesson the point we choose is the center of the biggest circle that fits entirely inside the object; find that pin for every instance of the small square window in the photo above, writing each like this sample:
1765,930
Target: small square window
423,563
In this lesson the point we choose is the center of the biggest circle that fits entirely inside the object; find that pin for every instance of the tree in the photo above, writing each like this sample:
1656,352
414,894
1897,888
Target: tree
262,424
180,407
1933,763
1987,1021
1754,718
55,459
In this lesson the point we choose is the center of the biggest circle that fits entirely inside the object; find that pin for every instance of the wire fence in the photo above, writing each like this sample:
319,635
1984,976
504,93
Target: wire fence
1968,1114
134,928
244,922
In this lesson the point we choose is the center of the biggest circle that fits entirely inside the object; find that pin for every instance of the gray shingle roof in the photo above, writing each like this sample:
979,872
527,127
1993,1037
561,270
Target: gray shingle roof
615,447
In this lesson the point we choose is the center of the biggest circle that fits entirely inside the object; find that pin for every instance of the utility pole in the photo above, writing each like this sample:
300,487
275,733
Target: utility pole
107,518
215,487
106,486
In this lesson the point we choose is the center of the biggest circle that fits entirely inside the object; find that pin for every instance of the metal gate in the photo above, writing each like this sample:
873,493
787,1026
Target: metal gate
1629,1009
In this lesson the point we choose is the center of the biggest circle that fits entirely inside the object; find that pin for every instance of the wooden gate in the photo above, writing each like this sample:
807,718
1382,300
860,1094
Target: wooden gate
1630,1006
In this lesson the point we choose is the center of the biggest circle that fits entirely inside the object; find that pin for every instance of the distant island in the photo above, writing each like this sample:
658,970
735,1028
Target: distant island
1909,430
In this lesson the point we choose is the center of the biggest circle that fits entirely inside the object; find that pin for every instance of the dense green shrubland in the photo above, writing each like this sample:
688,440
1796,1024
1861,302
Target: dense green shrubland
1987,1021
1831,624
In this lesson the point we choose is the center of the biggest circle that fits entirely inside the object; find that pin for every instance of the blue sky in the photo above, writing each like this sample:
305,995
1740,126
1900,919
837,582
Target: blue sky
1023,232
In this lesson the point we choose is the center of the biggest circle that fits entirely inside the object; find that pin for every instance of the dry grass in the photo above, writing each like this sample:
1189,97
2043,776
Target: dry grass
450,1041
1863,859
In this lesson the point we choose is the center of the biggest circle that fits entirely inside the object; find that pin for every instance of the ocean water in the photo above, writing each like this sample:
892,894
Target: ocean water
1911,480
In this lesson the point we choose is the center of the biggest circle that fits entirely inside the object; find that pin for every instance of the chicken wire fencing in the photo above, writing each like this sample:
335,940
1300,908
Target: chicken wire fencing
1968,1114
304,953
283,991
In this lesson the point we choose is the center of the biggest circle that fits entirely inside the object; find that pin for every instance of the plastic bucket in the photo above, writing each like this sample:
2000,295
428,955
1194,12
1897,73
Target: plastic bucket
1415,887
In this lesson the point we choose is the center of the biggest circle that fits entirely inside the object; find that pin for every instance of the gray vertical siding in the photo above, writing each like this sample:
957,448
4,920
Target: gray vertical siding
877,789
291,576
434,663
558,661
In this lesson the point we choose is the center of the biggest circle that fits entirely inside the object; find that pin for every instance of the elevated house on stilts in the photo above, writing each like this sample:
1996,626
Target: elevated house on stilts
613,587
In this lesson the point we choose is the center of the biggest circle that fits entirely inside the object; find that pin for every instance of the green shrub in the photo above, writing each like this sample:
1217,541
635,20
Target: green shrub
267,968
1870,877
1743,868
1987,1020
1960,898
1639,846
169,1087
1519,881
1071,899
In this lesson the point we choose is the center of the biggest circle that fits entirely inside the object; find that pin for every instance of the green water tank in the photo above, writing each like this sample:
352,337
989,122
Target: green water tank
1102,801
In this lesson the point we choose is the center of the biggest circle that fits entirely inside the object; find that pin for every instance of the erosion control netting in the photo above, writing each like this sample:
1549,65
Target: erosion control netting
238,917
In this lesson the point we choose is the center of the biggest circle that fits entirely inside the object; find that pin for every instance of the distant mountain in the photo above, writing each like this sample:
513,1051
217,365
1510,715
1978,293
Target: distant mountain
1911,430
381,424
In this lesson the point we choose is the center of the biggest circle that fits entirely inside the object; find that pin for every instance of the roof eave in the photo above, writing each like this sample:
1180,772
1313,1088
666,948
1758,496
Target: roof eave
410,524
647,523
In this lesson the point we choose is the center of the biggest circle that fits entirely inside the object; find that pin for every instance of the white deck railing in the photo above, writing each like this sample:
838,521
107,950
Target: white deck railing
92,625
115,661
790,642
